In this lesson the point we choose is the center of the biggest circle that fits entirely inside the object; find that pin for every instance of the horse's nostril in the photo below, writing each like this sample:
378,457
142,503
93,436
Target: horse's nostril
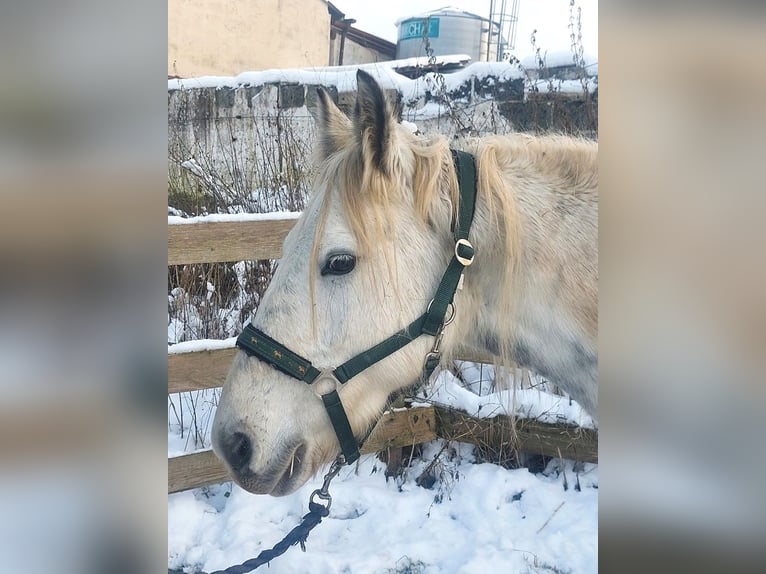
238,451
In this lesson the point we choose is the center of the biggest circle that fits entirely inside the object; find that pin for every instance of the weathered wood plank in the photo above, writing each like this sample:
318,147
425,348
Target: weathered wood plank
222,241
198,370
195,470
402,428
529,436
394,430
419,425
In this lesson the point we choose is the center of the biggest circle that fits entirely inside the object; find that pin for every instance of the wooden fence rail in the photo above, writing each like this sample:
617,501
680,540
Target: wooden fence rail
394,430
220,239
198,370
423,424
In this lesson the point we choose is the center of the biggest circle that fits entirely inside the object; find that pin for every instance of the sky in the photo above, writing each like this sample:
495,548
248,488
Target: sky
549,17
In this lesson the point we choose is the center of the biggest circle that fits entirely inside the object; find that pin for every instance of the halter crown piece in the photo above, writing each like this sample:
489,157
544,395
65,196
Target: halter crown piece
326,382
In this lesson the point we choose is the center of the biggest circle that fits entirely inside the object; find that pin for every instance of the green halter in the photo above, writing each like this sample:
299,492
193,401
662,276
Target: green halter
257,344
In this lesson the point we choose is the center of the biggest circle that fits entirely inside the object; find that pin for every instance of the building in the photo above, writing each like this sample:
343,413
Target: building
349,45
228,37
449,31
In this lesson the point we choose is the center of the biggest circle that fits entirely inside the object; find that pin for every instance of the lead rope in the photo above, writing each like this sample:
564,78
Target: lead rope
297,535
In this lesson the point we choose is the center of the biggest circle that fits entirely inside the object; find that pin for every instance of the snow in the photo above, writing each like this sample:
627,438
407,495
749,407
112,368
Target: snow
487,402
557,59
475,517
411,127
190,416
231,217
344,77
564,86
423,61
202,345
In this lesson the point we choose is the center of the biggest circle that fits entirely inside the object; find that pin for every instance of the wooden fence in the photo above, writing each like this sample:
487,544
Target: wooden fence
225,239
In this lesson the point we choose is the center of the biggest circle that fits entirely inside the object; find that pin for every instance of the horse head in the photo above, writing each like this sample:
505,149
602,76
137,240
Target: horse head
362,262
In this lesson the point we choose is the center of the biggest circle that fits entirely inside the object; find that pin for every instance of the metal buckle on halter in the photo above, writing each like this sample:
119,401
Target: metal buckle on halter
464,261
325,383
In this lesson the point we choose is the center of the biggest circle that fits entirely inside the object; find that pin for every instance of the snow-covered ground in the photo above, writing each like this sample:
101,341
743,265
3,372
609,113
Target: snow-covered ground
475,518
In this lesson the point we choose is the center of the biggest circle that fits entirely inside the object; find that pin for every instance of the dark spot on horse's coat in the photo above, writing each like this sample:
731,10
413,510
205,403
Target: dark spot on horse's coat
521,354
490,343
582,358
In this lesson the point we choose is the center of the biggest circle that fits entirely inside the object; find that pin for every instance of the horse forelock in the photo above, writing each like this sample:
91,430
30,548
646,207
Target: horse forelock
419,173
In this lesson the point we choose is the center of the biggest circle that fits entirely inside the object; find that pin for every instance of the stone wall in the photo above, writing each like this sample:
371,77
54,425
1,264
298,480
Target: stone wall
248,137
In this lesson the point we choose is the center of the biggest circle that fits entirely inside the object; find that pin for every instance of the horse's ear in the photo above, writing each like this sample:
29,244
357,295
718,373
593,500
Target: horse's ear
334,126
373,121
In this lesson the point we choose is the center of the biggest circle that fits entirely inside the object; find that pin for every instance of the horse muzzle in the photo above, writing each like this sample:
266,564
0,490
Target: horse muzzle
275,475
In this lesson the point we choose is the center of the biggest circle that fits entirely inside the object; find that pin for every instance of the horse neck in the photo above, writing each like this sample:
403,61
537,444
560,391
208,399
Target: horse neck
541,282
484,294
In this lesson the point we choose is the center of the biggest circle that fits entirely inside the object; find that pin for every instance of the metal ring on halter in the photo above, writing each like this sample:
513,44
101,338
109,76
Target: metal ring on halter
325,383
450,316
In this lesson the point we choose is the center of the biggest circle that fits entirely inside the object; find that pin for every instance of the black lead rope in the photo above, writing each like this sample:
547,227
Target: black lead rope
297,535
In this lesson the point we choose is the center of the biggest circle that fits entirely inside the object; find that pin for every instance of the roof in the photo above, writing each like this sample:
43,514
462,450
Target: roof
339,23
335,13
366,39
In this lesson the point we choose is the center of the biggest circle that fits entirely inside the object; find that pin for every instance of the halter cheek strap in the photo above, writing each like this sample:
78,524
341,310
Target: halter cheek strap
258,344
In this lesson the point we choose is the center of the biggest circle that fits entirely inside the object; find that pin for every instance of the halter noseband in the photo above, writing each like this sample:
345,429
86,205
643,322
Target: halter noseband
326,382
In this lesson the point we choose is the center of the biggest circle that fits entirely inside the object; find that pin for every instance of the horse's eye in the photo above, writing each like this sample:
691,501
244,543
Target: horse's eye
339,264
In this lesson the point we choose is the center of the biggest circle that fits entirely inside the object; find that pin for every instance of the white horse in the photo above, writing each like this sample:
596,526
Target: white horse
366,256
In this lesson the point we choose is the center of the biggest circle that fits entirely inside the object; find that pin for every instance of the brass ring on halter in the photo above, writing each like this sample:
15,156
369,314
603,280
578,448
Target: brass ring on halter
464,261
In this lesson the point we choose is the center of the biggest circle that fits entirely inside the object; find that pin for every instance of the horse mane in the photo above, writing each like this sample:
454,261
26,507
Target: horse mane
421,173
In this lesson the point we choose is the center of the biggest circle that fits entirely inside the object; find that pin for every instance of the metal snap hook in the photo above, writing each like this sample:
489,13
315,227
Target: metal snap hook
322,495
324,492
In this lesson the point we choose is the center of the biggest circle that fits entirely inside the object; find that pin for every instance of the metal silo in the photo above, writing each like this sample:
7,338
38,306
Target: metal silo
449,31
